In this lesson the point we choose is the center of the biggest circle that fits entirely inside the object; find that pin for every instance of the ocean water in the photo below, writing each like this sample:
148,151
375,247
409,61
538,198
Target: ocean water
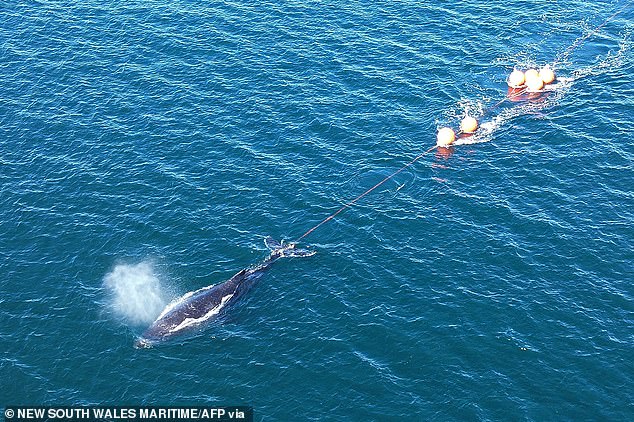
148,147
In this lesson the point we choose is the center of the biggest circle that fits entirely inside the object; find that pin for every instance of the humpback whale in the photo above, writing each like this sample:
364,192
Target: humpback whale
201,306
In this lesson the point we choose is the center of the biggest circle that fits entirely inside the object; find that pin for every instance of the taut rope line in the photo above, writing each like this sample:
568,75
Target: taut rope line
352,202
560,58
577,43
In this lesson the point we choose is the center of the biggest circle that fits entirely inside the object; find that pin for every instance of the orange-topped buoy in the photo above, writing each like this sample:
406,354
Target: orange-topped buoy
468,124
547,74
445,137
516,79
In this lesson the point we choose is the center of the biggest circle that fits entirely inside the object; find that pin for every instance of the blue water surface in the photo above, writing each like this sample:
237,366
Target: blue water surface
148,147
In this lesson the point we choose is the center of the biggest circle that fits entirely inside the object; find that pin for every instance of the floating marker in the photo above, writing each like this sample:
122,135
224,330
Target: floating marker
445,137
547,74
468,124
534,84
516,79
531,74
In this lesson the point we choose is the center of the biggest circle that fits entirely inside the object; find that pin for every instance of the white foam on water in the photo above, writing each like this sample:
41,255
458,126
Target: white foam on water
502,115
554,93
136,292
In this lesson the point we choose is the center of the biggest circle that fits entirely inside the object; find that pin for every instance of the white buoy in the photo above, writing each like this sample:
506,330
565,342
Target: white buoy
516,79
534,84
469,124
531,74
547,74
445,137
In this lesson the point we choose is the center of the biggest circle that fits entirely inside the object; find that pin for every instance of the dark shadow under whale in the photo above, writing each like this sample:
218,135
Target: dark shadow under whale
201,306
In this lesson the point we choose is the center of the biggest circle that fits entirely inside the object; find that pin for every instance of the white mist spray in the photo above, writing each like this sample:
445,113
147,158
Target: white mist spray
137,294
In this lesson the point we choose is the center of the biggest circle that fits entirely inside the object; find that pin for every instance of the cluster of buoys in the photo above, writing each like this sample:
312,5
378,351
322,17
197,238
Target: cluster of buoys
532,80
519,82
446,135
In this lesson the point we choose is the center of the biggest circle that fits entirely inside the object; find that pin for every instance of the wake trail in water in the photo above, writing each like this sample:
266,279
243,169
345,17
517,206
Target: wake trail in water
136,292
497,115
550,97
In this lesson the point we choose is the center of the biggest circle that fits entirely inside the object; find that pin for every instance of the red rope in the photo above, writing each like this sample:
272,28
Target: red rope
351,203
418,157
508,97
568,51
